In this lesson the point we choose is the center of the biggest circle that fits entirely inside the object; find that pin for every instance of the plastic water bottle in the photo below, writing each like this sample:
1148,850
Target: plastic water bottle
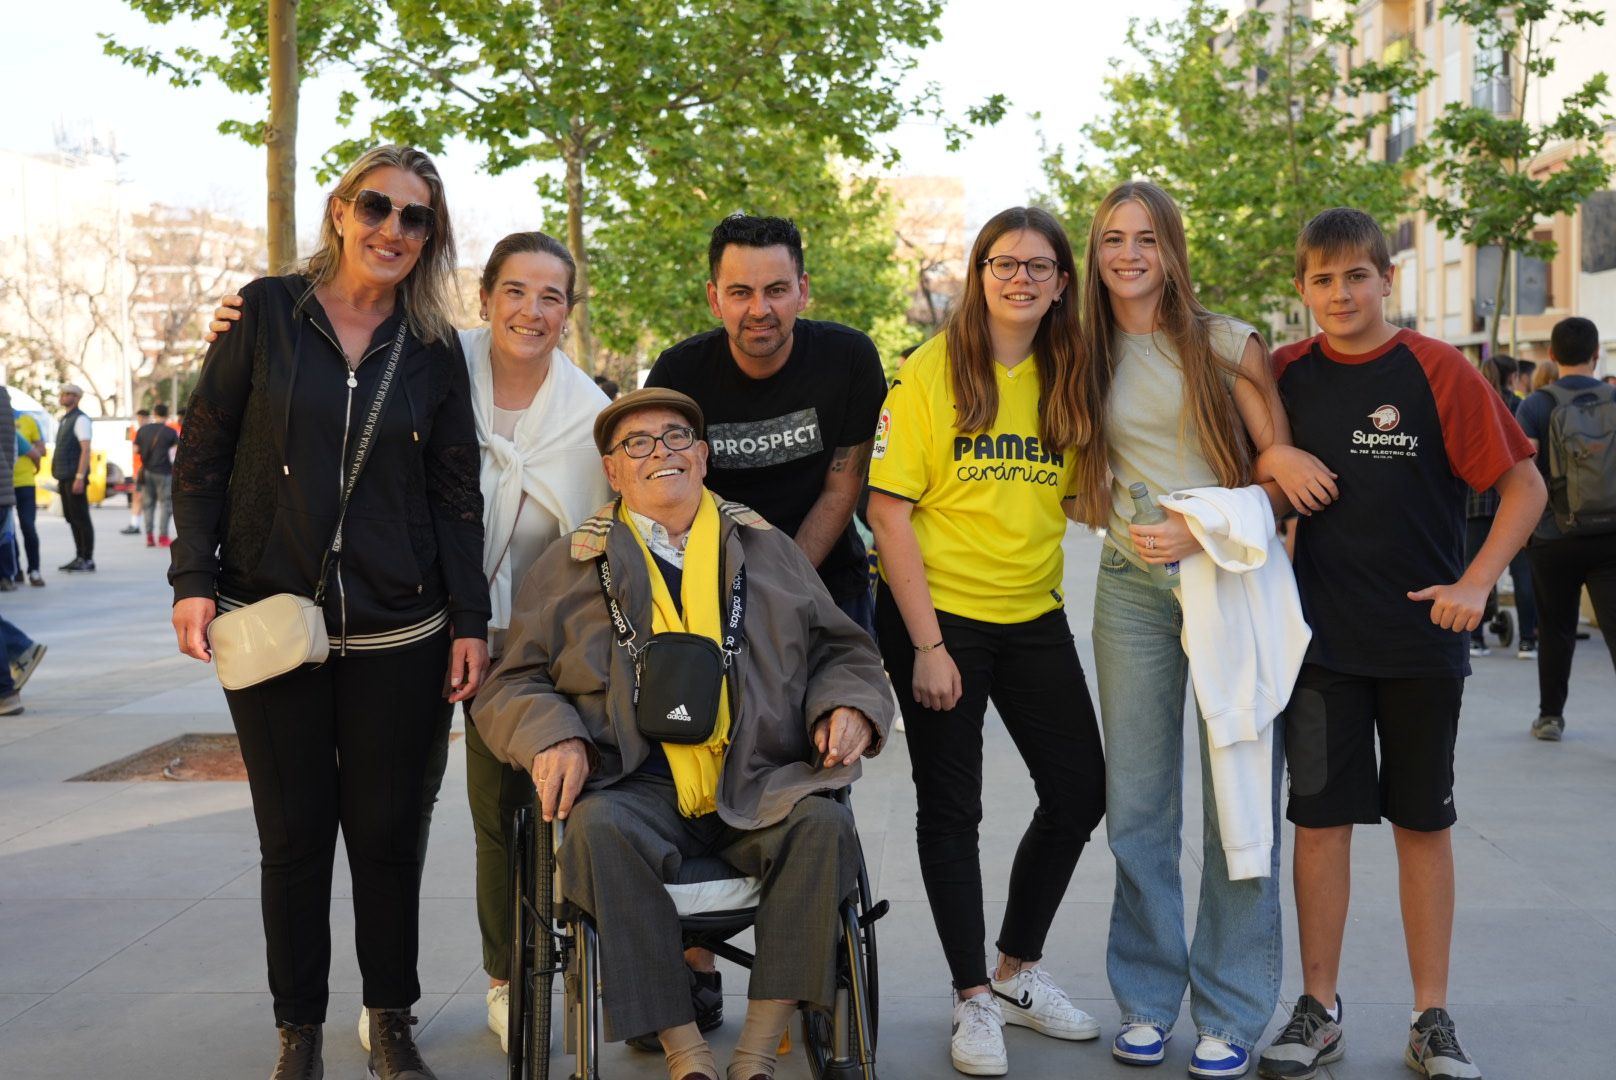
1146,512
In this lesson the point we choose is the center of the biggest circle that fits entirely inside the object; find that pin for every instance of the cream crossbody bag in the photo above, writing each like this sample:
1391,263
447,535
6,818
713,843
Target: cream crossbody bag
281,633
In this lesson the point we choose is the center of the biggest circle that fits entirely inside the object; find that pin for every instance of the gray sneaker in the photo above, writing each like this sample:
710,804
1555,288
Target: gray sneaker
11,704
300,1053
1310,1039
393,1055
1548,728
1434,1050
24,665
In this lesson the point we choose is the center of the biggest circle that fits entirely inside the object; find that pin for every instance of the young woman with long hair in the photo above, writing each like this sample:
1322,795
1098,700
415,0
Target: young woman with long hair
974,462
1179,398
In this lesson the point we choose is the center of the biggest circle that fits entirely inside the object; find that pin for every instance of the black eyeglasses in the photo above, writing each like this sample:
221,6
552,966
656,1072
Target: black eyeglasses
415,221
640,446
1004,267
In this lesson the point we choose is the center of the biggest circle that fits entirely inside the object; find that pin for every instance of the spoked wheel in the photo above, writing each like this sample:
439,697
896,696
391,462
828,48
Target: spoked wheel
840,1044
534,956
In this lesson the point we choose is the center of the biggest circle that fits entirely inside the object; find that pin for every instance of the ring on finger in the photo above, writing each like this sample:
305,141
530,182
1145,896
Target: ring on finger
1150,543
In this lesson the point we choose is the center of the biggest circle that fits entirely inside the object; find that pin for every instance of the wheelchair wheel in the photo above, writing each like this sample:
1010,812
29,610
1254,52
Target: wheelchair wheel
840,1044
534,957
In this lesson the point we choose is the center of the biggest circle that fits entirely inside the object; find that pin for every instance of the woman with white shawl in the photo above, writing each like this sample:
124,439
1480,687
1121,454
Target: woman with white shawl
541,478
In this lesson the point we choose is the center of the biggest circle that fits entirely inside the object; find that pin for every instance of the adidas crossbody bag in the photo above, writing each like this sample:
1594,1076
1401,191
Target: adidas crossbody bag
678,677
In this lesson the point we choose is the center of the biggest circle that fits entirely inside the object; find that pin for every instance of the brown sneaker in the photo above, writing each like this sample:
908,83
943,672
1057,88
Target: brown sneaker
300,1053
393,1055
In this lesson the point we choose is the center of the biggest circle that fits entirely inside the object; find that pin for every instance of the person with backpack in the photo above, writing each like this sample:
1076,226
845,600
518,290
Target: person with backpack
1572,424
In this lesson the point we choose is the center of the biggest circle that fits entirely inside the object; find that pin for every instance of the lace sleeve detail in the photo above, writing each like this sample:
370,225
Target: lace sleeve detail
451,483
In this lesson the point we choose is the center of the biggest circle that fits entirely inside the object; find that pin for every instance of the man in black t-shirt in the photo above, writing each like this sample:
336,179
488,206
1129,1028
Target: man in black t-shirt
155,442
791,404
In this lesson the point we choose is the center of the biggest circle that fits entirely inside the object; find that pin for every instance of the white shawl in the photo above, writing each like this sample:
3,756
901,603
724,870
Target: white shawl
553,459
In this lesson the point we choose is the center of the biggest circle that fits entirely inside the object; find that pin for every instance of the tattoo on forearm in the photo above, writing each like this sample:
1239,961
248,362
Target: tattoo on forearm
850,459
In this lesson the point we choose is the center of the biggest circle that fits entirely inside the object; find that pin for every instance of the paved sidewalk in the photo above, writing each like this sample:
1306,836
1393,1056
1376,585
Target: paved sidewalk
130,942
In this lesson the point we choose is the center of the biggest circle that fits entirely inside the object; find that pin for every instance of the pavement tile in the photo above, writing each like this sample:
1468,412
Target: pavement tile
14,1005
63,859
47,944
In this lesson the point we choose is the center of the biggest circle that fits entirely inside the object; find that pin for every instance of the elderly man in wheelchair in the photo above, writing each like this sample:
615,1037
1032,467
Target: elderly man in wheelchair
680,685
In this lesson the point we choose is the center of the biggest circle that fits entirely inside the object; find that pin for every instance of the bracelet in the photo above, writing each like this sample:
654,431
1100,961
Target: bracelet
929,648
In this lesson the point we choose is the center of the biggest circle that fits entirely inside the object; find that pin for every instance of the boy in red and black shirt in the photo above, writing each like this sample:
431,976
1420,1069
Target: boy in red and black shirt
1390,427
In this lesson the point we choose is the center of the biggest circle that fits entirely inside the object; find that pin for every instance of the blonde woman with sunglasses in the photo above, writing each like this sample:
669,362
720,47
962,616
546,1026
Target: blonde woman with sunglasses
279,411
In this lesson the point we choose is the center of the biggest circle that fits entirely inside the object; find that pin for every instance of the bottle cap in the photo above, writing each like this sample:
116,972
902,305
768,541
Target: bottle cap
1138,491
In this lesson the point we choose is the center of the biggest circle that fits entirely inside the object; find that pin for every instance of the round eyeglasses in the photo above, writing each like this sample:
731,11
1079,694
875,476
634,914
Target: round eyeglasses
1004,267
641,445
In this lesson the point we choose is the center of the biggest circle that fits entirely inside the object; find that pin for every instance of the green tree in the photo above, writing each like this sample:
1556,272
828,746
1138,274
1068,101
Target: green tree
1253,126
265,50
646,121
1479,155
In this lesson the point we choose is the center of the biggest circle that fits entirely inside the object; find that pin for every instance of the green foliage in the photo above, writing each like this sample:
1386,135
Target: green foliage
1478,159
671,114
326,32
1250,126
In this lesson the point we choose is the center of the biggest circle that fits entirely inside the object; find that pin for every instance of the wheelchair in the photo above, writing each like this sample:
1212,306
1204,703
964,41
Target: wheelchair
551,938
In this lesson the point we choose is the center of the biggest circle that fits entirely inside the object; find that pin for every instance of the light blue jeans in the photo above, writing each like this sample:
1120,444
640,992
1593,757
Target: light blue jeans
1232,969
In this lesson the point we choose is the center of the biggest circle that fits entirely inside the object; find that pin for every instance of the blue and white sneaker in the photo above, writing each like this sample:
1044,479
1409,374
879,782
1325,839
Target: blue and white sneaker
1214,1059
1141,1044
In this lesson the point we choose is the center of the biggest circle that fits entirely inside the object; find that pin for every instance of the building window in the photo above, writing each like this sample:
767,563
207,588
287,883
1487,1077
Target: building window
1400,131
1491,88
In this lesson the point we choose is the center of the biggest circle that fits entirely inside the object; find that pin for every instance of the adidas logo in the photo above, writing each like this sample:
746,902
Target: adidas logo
680,713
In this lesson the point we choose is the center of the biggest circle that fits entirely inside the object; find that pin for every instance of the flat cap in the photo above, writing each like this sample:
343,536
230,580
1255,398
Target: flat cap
647,397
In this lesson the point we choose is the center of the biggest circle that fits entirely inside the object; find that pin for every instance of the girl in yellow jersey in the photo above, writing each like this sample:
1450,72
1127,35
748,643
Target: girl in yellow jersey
974,459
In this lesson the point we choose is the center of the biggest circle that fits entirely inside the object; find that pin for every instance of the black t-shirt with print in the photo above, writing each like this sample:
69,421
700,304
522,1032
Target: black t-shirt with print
772,439
153,442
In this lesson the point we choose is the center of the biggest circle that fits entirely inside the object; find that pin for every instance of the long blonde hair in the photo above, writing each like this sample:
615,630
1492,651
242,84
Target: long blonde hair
1209,416
1056,343
428,289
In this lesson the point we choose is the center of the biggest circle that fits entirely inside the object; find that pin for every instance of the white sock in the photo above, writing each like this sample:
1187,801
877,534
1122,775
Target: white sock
1413,1017
1335,1013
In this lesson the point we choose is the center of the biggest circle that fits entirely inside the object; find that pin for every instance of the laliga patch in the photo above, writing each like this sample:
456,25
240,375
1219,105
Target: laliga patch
883,428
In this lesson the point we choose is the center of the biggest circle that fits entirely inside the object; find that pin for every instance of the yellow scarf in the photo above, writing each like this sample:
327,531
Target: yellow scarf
695,768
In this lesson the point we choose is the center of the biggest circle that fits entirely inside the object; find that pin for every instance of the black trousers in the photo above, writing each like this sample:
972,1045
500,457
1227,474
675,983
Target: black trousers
76,508
1031,673
343,743
1560,568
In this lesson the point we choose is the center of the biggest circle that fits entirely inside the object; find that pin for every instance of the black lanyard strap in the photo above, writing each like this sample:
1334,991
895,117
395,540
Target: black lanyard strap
735,604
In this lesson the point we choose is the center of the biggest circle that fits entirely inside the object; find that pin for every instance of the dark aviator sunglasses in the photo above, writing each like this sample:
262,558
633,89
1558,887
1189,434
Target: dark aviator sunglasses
414,220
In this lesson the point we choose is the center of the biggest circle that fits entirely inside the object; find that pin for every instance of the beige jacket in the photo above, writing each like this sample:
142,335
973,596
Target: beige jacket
564,676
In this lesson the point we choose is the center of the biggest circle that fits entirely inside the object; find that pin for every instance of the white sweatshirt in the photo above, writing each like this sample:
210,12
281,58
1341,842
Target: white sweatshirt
1245,638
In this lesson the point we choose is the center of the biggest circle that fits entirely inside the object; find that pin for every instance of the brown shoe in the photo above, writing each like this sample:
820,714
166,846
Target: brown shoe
393,1055
300,1053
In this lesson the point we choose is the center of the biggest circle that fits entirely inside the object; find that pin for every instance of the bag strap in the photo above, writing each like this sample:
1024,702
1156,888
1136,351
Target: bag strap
736,606
361,454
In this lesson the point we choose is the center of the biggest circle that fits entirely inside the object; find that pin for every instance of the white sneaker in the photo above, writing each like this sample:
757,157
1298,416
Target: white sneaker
499,1014
364,1028
1032,999
977,1045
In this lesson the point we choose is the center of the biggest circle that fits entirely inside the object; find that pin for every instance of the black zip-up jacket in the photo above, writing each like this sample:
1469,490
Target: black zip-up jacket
259,474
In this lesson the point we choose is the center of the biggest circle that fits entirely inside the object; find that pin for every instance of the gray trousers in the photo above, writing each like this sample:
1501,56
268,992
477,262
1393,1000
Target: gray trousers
622,842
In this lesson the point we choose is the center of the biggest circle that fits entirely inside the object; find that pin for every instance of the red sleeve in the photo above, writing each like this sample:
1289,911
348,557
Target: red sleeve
1482,439
1286,355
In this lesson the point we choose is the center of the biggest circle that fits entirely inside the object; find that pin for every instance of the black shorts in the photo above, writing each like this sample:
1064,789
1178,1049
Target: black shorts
1330,729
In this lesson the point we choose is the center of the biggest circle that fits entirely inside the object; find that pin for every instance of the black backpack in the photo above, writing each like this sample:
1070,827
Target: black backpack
1581,445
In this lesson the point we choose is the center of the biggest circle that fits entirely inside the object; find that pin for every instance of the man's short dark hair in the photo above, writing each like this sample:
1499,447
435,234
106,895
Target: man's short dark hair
1338,232
1524,368
1574,341
758,232
161,410
142,412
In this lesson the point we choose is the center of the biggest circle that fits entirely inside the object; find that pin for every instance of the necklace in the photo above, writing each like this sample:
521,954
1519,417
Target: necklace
331,292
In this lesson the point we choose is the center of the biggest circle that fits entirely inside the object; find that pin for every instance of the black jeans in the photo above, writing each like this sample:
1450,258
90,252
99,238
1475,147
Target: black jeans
1520,571
1560,568
1031,673
76,508
26,511
343,743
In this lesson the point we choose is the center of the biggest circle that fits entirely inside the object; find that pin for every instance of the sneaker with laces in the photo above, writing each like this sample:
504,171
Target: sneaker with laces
1434,1050
1478,648
1141,1044
393,1055
151,541
1548,728
23,667
300,1053
499,1014
11,704
1031,998
977,1043
1310,1039
72,567
163,541
1527,650
1216,1058
130,530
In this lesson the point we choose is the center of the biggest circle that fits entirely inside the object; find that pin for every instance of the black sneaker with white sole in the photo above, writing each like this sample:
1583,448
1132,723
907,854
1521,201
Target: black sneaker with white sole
1311,1039
1434,1050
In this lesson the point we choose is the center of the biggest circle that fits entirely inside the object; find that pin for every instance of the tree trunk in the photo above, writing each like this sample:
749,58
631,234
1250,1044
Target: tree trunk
1498,298
280,135
585,356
